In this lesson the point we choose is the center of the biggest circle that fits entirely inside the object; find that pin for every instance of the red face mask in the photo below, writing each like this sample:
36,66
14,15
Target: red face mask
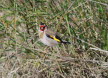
42,27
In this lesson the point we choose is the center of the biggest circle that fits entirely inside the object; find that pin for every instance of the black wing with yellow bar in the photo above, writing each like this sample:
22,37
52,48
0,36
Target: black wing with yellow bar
57,38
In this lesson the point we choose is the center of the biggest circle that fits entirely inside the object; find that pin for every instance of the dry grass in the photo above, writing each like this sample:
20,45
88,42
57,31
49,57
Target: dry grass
82,22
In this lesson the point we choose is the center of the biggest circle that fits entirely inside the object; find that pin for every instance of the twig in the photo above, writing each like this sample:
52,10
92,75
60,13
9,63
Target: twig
95,47
98,49
99,3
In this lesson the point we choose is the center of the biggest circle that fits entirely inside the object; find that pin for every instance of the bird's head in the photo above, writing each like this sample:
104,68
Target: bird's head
43,27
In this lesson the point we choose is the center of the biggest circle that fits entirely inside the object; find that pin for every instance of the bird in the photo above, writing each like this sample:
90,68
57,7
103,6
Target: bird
49,37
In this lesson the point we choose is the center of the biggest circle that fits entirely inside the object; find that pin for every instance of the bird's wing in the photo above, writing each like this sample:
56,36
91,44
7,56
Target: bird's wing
53,35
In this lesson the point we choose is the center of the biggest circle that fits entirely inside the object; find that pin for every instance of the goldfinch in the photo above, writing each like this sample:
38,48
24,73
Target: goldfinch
48,37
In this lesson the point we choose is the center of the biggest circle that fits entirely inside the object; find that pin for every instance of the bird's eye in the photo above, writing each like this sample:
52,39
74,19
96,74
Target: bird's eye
42,28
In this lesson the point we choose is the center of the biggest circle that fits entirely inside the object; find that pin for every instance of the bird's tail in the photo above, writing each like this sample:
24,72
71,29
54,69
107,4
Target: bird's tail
66,42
